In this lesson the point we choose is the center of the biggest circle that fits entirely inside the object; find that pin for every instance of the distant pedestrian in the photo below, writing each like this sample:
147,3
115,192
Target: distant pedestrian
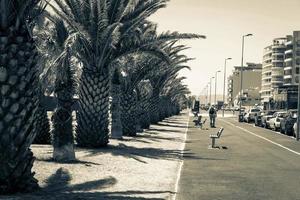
212,116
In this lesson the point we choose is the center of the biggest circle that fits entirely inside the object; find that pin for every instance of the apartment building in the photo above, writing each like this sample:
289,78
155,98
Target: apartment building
251,85
273,68
281,62
292,59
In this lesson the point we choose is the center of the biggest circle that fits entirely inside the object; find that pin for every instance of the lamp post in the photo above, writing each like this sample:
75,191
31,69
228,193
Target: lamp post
210,90
207,94
224,84
216,77
242,68
298,118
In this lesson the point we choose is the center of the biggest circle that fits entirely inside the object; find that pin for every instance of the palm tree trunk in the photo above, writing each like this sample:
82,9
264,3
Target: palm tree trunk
92,118
154,107
128,116
41,127
18,104
63,138
116,124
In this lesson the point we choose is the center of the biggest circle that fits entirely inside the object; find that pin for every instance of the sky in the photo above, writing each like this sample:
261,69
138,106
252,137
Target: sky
224,22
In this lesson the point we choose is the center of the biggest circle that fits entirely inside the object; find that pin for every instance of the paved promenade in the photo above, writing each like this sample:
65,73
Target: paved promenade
252,164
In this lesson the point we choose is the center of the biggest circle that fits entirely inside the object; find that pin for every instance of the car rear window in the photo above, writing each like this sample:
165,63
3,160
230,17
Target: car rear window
255,110
282,114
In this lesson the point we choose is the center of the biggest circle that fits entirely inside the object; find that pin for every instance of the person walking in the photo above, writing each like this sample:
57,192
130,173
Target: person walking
212,116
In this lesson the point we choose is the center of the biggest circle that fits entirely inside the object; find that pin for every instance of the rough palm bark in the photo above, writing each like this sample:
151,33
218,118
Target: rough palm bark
154,109
128,114
41,127
144,91
63,138
93,117
18,104
116,124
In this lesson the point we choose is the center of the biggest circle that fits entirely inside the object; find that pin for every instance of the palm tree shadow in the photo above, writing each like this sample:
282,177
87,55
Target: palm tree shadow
142,154
58,187
172,125
51,160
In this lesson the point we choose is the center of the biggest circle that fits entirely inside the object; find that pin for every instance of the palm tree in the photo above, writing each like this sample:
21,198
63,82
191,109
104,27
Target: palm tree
160,78
41,123
18,102
144,92
102,28
60,75
116,124
174,94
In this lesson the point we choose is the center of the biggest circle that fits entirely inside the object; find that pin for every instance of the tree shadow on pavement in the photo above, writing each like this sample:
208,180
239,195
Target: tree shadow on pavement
171,125
58,187
74,162
163,130
140,154
156,138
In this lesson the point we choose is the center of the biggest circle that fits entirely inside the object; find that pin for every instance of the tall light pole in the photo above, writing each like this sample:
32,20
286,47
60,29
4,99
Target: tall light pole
216,77
224,84
298,117
242,68
210,90
207,94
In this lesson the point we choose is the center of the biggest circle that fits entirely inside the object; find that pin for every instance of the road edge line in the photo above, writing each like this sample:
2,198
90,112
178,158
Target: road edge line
181,156
266,139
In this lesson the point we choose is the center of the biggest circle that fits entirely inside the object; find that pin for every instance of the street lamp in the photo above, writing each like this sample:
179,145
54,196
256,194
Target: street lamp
224,84
210,90
216,77
207,93
298,116
242,68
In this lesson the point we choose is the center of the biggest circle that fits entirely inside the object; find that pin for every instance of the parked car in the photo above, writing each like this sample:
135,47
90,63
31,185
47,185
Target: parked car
257,118
265,117
286,124
295,129
274,122
250,115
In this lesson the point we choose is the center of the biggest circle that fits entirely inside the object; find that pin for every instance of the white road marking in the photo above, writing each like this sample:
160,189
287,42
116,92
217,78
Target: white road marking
259,136
181,162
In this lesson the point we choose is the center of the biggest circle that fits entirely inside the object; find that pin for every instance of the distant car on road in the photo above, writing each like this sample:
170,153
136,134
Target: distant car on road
286,124
250,115
274,122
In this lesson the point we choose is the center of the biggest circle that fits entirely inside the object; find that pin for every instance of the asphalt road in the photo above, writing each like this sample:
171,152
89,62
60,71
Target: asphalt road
252,164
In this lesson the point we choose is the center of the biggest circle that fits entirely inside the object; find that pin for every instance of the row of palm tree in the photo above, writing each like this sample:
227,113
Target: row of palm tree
94,49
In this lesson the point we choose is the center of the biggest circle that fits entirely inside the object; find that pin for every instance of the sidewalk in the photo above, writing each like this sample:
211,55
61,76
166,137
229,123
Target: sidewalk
144,167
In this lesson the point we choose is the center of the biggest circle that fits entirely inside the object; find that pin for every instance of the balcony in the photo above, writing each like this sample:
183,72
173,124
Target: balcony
288,43
288,68
266,84
277,61
288,60
290,51
266,78
278,46
288,77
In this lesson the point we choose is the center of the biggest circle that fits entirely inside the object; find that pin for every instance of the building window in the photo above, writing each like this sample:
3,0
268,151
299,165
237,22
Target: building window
297,70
